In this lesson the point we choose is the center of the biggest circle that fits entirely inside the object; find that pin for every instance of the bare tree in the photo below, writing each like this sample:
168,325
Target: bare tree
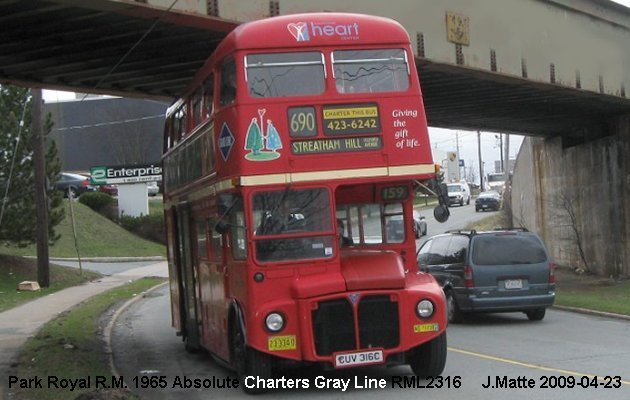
471,176
567,205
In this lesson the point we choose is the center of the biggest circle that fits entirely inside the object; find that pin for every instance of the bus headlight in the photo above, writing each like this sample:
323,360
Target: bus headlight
424,309
274,322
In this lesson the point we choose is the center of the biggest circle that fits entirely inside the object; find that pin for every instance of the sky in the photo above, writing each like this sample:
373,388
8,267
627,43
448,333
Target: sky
441,139
445,140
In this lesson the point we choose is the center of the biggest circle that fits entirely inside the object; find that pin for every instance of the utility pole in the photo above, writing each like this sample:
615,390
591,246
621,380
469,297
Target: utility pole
500,137
41,200
459,175
480,161
506,166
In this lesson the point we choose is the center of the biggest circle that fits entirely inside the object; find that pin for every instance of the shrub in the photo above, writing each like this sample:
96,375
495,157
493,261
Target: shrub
96,200
102,203
150,227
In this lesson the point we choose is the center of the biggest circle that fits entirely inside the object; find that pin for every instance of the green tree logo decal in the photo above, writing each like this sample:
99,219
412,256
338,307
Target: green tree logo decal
262,144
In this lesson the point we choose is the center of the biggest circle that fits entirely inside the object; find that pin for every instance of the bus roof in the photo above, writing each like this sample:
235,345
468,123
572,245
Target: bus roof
315,30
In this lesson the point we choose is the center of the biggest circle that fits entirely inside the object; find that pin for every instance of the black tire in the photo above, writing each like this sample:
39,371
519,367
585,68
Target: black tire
248,362
190,347
424,231
455,315
476,209
461,203
429,358
536,315
468,201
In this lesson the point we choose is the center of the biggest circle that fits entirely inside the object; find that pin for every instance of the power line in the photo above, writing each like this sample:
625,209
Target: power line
17,143
100,124
122,59
451,139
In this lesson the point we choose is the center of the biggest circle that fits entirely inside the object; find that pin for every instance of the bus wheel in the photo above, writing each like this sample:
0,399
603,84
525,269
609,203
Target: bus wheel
190,347
429,359
191,342
249,362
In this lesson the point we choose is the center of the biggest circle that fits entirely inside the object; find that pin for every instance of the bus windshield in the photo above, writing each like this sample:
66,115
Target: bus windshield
285,74
371,71
364,223
303,215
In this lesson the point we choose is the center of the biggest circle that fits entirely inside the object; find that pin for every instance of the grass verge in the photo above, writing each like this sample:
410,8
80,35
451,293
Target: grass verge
97,236
592,292
14,270
156,206
70,347
573,290
493,221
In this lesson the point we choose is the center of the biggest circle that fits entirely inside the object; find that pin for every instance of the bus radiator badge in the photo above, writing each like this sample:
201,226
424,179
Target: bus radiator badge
354,298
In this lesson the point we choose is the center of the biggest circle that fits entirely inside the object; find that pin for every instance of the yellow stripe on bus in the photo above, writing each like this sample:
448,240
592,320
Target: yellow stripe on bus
273,179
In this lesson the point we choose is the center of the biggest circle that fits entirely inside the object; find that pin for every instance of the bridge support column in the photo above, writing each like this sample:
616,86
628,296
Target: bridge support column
576,198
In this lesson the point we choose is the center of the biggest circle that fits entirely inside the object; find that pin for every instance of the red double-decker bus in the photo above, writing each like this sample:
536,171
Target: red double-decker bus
289,181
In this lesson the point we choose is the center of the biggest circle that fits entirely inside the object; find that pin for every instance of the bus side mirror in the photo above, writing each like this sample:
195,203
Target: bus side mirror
443,194
441,212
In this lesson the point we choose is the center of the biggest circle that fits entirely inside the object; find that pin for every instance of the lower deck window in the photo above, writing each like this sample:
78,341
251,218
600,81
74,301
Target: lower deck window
292,224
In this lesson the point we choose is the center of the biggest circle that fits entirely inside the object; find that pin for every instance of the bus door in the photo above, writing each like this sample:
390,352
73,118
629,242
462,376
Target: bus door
229,282
217,267
188,281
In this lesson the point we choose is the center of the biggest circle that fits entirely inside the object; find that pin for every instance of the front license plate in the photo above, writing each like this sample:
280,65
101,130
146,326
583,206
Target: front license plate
360,358
278,343
513,284
420,328
484,206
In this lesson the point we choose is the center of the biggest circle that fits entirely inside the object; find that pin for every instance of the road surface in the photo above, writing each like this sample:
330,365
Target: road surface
569,353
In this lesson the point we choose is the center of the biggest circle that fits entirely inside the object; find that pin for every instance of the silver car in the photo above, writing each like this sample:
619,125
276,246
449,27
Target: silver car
419,224
152,188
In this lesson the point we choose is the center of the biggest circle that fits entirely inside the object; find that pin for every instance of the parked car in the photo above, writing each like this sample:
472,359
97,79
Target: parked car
112,190
458,193
419,224
489,200
494,271
396,227
74,184
153,189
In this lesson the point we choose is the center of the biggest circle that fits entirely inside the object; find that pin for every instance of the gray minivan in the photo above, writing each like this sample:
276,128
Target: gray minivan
493,271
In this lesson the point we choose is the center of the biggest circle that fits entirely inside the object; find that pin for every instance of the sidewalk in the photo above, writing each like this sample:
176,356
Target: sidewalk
19,323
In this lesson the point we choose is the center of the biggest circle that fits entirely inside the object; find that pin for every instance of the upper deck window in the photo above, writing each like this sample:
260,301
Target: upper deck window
228,83
371,71
285,74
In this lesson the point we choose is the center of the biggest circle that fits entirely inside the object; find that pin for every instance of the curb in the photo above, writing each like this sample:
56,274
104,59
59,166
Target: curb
107,332
587,311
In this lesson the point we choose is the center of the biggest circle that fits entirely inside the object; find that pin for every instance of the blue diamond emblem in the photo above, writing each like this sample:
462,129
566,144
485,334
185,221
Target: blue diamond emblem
226,141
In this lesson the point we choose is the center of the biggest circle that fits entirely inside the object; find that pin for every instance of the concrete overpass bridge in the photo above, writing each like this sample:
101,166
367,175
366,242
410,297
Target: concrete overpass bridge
556,70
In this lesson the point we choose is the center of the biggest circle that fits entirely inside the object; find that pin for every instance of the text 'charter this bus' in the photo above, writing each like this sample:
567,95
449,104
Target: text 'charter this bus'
289,182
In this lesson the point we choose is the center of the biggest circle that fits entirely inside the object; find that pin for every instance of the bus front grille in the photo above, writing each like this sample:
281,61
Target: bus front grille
378,322
334,328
